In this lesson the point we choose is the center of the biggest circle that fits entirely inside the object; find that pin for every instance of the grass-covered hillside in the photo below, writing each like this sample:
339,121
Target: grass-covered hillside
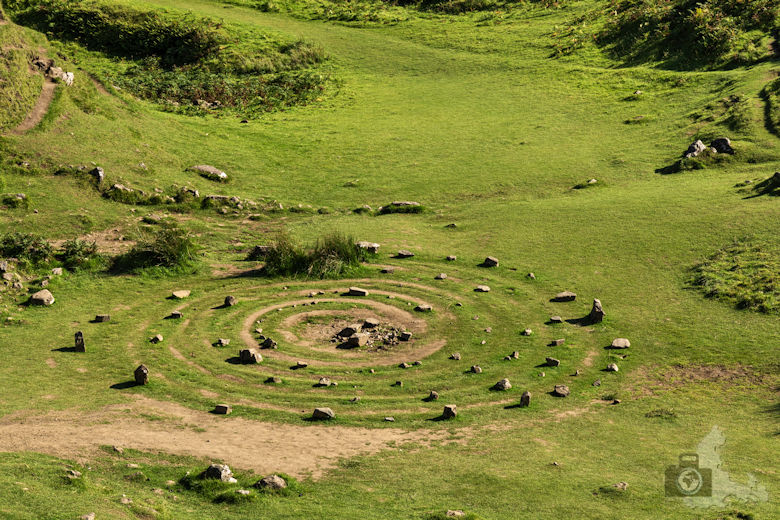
559,217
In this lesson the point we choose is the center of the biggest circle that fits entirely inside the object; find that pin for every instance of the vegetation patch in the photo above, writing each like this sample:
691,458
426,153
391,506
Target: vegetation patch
771,95
188,64
745,273
167,248
690,33
19,89
332,256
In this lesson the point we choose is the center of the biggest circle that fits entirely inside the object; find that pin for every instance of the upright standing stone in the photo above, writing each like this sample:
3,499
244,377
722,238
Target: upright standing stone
525,399
230,301
141,375
596,313
79,342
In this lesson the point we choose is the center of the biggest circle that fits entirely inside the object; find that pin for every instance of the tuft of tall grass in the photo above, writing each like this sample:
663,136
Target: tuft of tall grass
333,255
168,248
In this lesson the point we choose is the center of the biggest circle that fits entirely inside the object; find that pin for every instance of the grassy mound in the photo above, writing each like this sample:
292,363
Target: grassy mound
690,33
334,255
771,95
18,88
188,63
745,273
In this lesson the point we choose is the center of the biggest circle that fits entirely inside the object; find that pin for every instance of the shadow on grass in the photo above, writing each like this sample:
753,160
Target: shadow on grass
124,386
65,349
234,360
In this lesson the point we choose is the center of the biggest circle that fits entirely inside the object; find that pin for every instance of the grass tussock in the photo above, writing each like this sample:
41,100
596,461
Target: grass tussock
165,249
332,256
771,95
745,273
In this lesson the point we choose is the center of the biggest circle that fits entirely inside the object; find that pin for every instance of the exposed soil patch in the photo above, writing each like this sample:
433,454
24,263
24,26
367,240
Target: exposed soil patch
262,447
51,363
653,380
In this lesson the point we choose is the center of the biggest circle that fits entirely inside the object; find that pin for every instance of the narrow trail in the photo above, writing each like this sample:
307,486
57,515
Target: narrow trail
39,110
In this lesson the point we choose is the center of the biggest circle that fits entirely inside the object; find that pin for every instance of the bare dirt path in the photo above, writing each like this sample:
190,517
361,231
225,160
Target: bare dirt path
39,110
259,446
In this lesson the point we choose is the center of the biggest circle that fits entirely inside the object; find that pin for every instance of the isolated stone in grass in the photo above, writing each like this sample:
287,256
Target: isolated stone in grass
476,369
404,253
450,411
157,338
525,399
301,364
561,391
556,319
451,258
209,172
371,247
423,307
404,365
557,342
181,294
389,419
531,276
78,342
176,315
597,382
565,296
223,409
322,414
722,145
250,356
42,297
552,362
621,486
223,342
388,270
271,482
358,339
620,343
527,332
455,513
268,343
612,367
357,291
490,261
515,354
88,516
596,312
274,380
355,399
219,472
441,276
482,288
434,395
230,300
324,381
102,318
694,149
405,336
141,375
455,356
502,385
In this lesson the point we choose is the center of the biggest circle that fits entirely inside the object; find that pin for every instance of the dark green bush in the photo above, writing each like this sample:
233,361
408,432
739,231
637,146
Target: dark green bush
78,254
121,30
400,208
27,247
690,33
334,255
168,247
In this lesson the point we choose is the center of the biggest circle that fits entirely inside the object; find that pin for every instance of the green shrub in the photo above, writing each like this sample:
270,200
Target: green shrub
78,254
121,30
334,255
401,208
771,95
168,248
27,247
690,33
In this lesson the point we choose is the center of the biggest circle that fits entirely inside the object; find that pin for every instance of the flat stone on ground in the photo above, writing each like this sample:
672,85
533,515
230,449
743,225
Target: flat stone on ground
180,295
620,343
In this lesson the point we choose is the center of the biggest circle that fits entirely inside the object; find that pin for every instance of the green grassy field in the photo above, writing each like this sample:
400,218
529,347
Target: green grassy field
482,119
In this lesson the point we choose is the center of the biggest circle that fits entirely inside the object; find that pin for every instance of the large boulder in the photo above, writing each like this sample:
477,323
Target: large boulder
219,472
490,261
722,145
42,297
358,339
78,343
357,291
370,247
450,411
180,295
502,385
271,482
565,296
561,391
209,172
694,149
525,399
323,414
230,301
620,343
250,356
